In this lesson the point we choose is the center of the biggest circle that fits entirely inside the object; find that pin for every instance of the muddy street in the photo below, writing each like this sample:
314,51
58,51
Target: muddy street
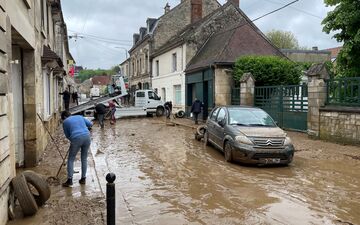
164,176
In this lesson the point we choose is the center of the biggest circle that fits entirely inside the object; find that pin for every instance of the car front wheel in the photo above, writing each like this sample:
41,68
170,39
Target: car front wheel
228,152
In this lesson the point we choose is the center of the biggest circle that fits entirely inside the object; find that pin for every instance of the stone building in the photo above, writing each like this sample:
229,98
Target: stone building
33,62
215,46
158,32
312,56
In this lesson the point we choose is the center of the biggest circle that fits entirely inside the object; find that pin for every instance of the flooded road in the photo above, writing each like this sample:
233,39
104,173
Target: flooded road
164,176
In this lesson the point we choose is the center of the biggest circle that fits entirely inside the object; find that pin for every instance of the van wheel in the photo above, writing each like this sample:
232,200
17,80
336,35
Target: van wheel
24,196
40,185
159,111
228,152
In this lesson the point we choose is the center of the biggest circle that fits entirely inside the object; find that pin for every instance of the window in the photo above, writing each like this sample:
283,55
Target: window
141,66
163,93
177,94
151,95
140,94
47,97
42,14
47,19
214,114
221,116
174,62
157,68
250,117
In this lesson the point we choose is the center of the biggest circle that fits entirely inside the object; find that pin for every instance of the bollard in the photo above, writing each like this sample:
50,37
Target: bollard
110,198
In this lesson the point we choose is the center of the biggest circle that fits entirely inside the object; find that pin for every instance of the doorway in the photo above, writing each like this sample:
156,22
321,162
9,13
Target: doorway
18,103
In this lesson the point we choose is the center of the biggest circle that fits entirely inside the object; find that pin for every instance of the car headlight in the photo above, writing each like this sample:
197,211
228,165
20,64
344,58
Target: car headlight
287,141
243,140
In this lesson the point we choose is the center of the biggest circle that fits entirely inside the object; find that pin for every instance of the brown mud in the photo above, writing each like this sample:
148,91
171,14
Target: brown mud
164,176
78,205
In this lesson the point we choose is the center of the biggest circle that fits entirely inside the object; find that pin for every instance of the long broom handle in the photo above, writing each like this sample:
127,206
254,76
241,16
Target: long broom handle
52,138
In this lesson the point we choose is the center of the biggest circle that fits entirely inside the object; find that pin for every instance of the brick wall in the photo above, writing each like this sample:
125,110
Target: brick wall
340,126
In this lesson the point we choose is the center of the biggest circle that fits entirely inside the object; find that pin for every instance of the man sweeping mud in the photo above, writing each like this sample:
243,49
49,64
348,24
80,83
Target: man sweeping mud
76,129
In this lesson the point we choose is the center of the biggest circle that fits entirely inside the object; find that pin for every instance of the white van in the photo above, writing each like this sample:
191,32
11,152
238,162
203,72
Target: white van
150,102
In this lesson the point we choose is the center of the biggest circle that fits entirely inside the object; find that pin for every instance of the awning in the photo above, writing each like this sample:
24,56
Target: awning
48,56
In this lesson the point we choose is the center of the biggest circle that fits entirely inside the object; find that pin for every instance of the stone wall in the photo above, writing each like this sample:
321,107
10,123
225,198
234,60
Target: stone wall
177,19
340,125
7,149
223,83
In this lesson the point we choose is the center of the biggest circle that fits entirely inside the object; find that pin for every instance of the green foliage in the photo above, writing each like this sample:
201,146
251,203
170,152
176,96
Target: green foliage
268,70
88,73
344,20
283,39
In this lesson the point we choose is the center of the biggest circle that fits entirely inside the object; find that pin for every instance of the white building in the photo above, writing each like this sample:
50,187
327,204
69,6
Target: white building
168,76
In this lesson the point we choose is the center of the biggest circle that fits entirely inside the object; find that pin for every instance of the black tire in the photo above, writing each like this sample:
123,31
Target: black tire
180,114
228,152
160,111
200,130
40,185
206,138
198,137
24,196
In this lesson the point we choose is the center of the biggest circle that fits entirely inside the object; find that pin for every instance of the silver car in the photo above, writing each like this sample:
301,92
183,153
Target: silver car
249,135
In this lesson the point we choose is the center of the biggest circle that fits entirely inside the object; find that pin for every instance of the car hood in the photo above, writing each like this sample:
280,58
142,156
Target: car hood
261,131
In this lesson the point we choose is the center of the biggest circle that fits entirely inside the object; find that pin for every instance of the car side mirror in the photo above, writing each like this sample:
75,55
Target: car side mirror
221,122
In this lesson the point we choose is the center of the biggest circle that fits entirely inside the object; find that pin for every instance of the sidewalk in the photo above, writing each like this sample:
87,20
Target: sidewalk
81,204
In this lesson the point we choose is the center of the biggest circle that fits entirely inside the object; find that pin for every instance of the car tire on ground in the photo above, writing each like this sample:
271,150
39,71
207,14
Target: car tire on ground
160,111
40,185
200,130
24,196
228,152
180,114
206,138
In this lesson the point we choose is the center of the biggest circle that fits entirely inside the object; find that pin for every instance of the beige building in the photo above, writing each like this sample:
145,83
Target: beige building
33,62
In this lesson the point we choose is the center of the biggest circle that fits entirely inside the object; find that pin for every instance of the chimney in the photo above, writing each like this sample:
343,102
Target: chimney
136,38
167,8
235,2
196,10
315,48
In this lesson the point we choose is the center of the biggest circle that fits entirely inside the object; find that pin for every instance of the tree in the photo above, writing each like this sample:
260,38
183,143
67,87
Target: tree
345,21
283,39
268,70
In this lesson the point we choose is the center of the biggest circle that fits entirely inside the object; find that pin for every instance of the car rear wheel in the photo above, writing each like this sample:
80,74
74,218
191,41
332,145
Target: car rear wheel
228,152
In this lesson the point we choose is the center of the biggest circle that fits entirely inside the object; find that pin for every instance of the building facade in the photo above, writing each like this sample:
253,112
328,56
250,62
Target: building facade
33,62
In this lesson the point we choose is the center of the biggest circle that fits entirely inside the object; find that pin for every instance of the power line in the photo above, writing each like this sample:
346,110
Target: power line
275,10
295,8
260,17
99,37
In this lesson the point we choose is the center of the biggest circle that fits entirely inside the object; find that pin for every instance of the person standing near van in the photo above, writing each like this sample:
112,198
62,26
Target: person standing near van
196,108
100,112
112,107
66,98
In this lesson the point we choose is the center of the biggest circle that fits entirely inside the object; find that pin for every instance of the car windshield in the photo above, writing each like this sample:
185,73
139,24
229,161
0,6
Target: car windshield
250,117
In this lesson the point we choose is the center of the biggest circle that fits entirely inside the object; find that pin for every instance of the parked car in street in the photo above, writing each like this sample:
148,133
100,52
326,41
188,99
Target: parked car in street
248,135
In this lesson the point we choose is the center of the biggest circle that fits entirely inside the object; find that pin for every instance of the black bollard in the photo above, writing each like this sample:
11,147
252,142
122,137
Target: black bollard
110,198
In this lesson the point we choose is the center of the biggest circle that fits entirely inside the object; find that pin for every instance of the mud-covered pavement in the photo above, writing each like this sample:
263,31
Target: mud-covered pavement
164,176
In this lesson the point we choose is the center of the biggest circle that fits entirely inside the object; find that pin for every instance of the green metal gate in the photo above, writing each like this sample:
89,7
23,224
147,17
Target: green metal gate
235,96
287,105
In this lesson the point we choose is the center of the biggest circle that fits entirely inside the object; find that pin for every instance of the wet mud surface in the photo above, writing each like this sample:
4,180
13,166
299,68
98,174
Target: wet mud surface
81,204
164,176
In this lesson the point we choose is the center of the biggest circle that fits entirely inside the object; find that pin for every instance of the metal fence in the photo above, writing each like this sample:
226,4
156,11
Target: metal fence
343,91
235,96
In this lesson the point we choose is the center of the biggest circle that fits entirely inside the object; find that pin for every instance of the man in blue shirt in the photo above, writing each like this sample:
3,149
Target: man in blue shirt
76,129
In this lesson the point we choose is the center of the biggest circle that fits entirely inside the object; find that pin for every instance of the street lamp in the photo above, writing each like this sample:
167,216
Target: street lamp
126,51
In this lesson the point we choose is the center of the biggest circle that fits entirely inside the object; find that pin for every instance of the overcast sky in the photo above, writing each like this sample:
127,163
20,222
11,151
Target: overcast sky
105,27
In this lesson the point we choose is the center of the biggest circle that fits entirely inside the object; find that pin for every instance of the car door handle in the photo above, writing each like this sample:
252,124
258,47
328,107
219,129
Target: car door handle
148,101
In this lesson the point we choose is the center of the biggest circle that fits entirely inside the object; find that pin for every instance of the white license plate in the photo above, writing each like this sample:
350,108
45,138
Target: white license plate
270,161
